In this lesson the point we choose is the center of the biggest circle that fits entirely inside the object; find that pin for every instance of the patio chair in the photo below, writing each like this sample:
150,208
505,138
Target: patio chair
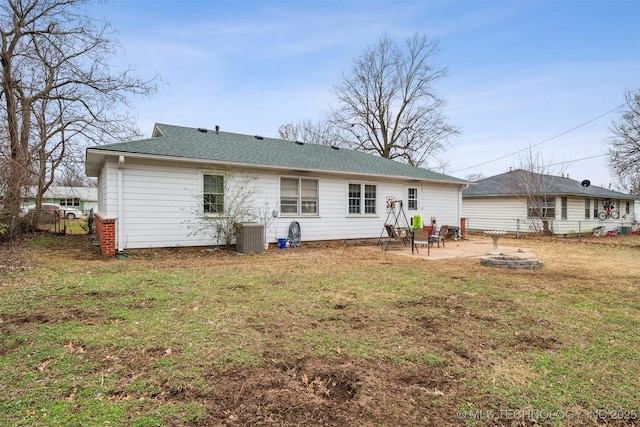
439,236
421,236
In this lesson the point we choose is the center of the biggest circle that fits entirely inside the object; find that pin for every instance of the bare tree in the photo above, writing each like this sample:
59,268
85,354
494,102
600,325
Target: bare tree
321,132
624,149
388,104
475,176
217,216
58,91
629,183
72,175
289,132
532,181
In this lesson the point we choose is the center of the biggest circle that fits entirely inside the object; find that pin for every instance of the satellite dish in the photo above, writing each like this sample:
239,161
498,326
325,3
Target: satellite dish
585,183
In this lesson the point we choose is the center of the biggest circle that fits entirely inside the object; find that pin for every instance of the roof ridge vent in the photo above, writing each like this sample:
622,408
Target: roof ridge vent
258,137
203,130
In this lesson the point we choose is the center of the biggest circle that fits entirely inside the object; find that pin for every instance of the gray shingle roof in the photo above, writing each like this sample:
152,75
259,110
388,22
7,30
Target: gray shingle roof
59,192
238,149
511,184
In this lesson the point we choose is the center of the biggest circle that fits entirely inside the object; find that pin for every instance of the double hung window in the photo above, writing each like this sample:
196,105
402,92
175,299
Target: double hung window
412,199
298,196
362,199
587,208
541,207
213,194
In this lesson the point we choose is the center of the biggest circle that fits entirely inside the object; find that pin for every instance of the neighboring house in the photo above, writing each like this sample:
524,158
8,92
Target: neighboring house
523,201
81,198
150,190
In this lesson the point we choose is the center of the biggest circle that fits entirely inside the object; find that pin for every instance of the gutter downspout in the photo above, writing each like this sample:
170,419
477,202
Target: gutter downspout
462,221
119,230
462,187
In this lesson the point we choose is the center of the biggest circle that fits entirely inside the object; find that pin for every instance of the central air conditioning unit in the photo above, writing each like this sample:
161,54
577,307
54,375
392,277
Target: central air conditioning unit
250,238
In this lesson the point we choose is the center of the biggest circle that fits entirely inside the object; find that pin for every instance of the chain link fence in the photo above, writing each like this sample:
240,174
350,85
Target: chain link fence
553,227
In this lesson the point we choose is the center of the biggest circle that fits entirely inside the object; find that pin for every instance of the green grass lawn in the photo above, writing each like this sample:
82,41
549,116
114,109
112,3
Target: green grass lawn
318,336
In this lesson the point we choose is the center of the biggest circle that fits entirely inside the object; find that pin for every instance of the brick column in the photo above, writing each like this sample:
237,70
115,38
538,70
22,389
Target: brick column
106,231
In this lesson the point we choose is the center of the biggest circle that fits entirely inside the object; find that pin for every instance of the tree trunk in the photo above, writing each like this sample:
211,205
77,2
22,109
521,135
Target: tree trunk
18,162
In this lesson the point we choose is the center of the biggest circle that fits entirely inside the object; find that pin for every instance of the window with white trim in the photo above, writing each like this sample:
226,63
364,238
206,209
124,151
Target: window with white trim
299,196
587,208
542,207
412,199
362,199
70,202
212,194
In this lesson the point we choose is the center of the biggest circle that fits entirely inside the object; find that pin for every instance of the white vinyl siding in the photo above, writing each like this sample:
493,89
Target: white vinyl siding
442,202
157,215
108,189
161,200
495,213
510,214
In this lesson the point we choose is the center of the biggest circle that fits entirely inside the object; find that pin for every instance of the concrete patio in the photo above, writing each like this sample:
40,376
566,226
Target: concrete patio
471,247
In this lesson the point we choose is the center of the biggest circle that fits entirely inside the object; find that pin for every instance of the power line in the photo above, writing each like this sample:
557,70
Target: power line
542,142
577,160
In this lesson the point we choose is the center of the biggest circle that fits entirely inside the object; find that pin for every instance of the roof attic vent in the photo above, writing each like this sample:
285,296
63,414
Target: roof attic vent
258,137
299,143
203,130
335,148
217,128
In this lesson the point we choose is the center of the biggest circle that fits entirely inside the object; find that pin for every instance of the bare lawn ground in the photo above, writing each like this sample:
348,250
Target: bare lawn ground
323,335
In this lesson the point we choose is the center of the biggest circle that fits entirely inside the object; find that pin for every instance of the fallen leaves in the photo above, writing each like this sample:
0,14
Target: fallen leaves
73,349
44,365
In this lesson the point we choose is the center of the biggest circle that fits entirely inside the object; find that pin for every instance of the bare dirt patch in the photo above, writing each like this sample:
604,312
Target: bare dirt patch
13,256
